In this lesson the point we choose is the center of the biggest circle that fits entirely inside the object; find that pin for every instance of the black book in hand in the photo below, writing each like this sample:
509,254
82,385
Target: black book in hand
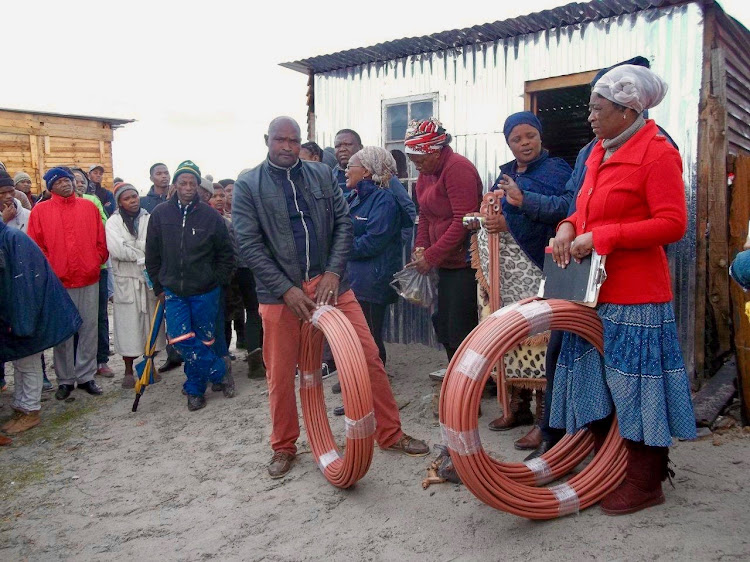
578,282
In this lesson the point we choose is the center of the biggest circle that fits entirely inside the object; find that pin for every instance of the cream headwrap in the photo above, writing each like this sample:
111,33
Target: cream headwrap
632,86
379,162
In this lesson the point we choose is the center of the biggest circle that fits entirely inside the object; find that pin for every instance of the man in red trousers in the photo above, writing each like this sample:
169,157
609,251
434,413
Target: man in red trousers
294,231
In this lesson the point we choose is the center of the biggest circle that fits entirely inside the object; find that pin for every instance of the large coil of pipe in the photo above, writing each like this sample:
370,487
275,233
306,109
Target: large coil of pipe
517,488
341,470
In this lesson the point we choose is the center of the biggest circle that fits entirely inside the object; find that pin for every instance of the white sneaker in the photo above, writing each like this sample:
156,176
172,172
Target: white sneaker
325,373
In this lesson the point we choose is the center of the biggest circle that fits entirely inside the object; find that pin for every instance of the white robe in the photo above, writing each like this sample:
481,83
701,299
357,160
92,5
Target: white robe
134,302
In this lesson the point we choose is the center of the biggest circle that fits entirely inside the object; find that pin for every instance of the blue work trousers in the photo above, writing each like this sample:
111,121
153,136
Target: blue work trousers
191,325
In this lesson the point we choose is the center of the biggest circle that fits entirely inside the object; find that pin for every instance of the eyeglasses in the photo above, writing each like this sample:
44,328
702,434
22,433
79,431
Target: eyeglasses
350,166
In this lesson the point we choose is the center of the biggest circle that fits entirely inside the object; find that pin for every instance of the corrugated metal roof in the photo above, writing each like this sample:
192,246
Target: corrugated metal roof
569,14
114,121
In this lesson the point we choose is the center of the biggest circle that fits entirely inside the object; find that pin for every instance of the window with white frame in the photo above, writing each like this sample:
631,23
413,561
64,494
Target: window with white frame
396,115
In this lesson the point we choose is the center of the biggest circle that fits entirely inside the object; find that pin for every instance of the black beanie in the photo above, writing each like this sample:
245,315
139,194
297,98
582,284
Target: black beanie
6,180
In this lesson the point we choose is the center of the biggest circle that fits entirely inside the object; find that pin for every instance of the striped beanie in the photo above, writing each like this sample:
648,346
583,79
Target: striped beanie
187,167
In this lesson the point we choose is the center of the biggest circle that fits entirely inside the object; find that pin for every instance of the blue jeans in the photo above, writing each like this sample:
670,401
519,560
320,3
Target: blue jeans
191,329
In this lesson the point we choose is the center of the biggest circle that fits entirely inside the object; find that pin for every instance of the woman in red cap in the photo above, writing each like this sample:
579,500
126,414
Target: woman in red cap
448,188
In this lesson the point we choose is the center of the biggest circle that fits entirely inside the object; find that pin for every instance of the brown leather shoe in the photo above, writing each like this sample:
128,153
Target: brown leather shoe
281,463
530,441
410,446
506,423
11,421
24,423
519,411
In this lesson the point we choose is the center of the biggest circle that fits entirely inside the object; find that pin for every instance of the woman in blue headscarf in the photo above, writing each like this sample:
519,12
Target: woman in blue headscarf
532,187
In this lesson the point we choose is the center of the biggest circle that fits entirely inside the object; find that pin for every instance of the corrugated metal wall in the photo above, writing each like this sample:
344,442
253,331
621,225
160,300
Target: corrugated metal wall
478,86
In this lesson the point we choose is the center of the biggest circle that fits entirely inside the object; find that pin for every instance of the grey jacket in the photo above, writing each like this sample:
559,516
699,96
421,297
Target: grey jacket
264,230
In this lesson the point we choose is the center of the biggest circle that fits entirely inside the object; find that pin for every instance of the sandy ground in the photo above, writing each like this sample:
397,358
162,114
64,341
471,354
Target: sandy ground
97,482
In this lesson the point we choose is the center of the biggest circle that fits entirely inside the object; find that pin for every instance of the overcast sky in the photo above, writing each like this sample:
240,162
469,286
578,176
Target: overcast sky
202,78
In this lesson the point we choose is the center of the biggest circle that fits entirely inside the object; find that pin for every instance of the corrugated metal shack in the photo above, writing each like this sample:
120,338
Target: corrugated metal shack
473,78
34,141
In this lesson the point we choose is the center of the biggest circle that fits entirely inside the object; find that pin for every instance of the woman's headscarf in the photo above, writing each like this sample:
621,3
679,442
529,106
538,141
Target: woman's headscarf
521,118
425,136
632,86
379,162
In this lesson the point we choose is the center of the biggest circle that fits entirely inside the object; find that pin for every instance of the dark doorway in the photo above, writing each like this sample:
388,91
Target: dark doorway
563,113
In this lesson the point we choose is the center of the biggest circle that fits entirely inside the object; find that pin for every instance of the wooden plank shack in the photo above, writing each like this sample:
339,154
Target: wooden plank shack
33,142
738,233
723,134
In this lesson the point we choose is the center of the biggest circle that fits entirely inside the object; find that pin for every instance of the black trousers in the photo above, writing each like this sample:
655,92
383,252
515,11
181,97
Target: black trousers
457,313
375,316
253,326
102,348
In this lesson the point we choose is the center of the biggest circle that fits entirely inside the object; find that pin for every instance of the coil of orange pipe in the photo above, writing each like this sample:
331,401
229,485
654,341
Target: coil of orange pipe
516,487
340,470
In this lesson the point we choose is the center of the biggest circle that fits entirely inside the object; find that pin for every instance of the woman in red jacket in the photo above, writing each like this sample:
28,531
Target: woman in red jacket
631,204
448,188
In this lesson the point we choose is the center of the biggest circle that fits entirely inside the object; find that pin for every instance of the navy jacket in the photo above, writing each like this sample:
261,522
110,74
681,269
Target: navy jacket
106,197
291,182
36,312
151,200
547,194
376,252
406,207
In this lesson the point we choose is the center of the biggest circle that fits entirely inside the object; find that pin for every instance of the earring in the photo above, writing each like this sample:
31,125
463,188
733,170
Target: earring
624,117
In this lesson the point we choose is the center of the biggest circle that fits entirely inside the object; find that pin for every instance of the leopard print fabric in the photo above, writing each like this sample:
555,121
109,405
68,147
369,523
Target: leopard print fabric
519,279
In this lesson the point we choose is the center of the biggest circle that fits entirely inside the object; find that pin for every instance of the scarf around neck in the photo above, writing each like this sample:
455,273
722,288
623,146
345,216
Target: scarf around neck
130,220
611,145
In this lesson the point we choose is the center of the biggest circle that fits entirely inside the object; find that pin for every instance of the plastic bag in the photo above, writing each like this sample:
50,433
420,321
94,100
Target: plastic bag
445,465
416,288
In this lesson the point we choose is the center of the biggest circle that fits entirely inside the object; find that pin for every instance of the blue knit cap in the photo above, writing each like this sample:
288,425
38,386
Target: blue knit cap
55,174
521,118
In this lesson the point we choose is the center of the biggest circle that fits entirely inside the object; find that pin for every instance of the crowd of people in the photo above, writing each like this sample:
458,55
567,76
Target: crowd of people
309,227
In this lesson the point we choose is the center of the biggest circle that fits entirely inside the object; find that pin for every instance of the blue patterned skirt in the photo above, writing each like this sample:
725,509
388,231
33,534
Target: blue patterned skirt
642,375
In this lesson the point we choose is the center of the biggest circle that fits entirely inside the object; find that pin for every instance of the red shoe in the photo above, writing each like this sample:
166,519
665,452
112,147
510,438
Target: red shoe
105,371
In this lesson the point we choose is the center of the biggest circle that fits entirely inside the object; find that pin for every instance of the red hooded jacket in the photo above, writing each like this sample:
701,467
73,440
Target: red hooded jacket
70,233
634,204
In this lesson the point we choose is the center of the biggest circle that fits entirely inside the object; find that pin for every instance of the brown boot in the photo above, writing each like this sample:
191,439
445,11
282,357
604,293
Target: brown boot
24,423
530,441
519,412
647,467
11,421
128,381
533,438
